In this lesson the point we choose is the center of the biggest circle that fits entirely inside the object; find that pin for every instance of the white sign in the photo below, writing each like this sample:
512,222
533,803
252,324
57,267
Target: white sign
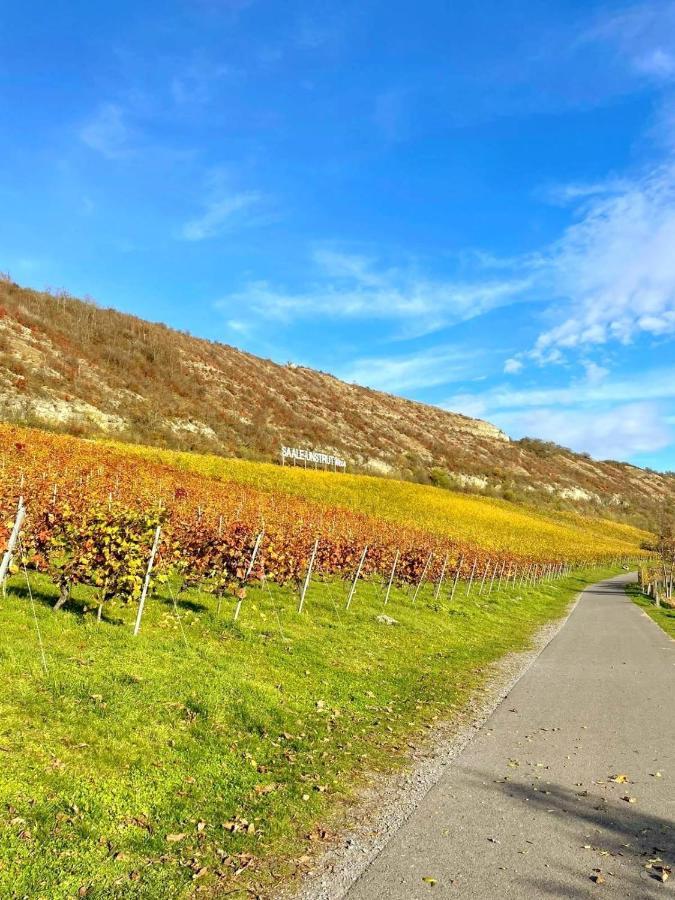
312,456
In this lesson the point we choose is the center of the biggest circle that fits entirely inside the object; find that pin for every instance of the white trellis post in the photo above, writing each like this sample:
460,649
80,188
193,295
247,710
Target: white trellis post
256,547
473,570
440,580
11,543
457,574
356,576
308,575
391,577
146,583
492,579
482,584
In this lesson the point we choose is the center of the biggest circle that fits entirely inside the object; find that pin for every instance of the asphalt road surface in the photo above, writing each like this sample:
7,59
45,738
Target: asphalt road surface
529,808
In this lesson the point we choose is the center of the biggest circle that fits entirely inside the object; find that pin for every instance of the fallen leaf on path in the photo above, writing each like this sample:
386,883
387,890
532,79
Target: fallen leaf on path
619,779
663,873
427,879
629,799
265,788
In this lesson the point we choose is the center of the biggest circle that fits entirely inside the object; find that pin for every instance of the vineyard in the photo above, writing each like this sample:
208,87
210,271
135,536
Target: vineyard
299,631
93,510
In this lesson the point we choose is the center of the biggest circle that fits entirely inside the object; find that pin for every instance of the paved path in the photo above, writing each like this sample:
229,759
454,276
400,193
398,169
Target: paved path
527,810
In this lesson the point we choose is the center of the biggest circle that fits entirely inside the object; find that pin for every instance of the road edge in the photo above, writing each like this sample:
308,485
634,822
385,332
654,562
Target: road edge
391,799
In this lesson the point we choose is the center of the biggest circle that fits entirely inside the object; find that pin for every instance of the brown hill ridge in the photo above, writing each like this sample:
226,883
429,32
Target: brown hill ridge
71,365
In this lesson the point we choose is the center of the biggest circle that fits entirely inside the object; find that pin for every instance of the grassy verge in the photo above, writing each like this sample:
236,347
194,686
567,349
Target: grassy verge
204,755
662,615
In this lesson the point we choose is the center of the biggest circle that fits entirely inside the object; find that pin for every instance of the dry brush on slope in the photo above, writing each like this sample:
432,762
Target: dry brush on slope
71,365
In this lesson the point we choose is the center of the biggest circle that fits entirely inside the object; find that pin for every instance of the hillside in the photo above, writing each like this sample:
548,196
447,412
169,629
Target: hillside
69,365
209,738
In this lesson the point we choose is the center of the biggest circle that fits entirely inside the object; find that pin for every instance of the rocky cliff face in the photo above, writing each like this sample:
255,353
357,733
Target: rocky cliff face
68,364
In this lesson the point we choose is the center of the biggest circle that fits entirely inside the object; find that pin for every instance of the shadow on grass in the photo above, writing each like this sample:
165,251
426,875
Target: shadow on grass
181,602
78,606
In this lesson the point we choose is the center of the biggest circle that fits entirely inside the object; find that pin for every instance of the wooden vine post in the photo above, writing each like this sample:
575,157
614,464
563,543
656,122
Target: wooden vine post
146,582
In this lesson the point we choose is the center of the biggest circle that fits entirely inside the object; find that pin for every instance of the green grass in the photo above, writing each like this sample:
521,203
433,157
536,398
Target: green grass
662,615
274,721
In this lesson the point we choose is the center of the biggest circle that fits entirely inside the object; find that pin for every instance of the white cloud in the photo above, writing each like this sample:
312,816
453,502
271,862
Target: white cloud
349,286
657,62
614,269
595,374
643,34
238,326
604,416
617,432
573,192
595,389
221,213
108,132
609,278
427,368
512,366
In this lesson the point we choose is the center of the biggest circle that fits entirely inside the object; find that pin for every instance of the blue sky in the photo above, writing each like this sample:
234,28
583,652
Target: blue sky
467,204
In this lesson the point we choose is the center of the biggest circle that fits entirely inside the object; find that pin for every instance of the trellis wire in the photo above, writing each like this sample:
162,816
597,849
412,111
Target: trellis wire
32,606
178,616
356,577
424,572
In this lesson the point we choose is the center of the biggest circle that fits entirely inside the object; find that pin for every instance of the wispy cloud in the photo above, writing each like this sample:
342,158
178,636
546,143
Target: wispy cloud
225,208
512,366
221,214
423,369
657,62
591,389
351,286
108,132
197,83
617,432
608,279
643,34
595,413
